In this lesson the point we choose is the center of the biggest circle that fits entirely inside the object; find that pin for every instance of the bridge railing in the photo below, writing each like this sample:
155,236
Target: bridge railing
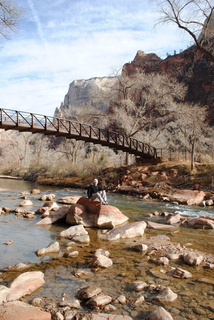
25,121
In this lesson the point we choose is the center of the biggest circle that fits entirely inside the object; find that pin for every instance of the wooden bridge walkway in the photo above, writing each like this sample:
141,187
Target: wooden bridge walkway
24,121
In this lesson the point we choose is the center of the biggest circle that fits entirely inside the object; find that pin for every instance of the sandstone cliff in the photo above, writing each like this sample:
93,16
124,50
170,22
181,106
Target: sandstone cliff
189,66
95,92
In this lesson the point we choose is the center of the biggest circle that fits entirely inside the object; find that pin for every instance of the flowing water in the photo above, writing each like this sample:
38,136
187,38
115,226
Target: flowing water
195,298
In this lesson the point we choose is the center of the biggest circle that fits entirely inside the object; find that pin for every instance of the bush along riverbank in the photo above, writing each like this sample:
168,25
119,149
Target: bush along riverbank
170,181
121,273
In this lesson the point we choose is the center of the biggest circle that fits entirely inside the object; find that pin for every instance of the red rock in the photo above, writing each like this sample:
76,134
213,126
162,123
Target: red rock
91,206
202,223
90,213
110,214
159,226
18,310
190,197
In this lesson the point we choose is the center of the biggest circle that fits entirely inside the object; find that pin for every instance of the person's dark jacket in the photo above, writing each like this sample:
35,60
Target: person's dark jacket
92,189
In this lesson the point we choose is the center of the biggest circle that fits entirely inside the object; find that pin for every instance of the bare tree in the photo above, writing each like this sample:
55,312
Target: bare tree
191,123
10,14
149,100
196,17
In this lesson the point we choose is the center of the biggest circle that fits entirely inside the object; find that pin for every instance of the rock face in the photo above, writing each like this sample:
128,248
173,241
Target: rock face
96,92
189,66
90,213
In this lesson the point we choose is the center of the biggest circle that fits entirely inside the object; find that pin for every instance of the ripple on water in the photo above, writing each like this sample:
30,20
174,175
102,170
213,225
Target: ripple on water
61,274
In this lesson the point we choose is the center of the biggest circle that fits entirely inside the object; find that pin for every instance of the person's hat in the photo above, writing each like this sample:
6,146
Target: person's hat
95,180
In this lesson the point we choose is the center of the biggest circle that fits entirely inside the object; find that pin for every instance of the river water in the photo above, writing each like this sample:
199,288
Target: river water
195,298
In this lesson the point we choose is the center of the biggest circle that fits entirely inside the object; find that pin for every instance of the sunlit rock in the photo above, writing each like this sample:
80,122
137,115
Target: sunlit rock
88,292
166,295
180,273
18,310
159,314
201,223
100,261
99,300
92,213
73,231
69,199
159,226
192,258
48,197
51,248
190,197
129,230
26,203
138,285
24,284
35,191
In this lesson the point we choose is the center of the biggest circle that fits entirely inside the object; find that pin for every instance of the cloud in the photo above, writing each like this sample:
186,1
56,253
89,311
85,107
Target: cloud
62,41
37,20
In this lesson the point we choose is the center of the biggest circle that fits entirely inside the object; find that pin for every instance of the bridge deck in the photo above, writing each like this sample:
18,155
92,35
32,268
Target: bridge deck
36,123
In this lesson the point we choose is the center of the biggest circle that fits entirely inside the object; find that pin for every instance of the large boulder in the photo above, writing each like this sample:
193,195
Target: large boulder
16,310
201,223
91,213
129,230
24,284
190,197
110,216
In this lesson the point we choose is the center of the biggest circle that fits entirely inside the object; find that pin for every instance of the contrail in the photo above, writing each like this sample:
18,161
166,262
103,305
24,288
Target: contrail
37,20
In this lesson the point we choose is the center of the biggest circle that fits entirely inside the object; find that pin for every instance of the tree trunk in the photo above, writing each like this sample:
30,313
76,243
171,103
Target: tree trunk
193,156
127,159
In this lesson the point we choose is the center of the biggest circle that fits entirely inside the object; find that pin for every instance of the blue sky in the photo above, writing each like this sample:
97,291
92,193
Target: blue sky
59,41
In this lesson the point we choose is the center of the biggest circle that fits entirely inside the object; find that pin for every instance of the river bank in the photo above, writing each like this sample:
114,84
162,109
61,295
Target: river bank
135,277
149,182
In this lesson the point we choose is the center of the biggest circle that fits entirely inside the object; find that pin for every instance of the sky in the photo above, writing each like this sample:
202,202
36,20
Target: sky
59,41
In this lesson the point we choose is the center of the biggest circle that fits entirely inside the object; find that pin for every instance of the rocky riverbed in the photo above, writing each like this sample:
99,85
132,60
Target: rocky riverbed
158,265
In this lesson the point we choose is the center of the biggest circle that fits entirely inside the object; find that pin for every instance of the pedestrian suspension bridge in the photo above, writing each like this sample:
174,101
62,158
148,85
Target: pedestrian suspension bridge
30,122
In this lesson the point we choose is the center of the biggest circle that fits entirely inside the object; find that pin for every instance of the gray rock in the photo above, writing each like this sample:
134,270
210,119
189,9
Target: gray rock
99,300
74,231
72,303
192,258
53,247
100,261
139,285
159,314
87,292
180,273
129,230
166,295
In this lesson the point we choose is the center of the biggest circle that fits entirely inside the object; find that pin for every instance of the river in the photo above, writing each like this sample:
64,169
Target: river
195,299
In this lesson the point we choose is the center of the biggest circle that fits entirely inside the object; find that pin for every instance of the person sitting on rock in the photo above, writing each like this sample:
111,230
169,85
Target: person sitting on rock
95,191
